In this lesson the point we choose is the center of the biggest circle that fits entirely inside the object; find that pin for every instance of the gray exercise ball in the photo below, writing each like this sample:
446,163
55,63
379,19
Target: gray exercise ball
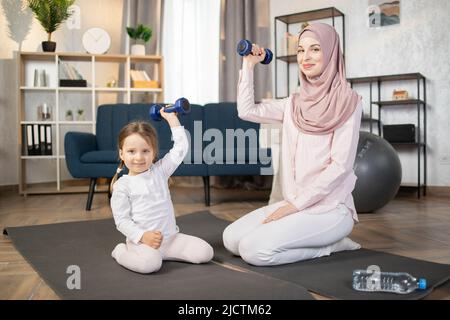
379,173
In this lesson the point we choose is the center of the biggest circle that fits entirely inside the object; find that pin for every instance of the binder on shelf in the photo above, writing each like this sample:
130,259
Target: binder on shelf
28,140
36,146
42,139
48,140
23,143
36,139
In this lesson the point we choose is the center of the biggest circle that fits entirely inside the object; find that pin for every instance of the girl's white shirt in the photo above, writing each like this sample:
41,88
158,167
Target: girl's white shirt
142,203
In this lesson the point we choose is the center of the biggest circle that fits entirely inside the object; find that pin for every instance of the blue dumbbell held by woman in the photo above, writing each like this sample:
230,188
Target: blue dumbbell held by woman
244,48
181,106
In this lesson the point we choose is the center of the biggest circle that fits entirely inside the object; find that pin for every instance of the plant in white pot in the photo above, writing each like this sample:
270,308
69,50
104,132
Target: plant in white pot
141,34
50,14
80,115
69,115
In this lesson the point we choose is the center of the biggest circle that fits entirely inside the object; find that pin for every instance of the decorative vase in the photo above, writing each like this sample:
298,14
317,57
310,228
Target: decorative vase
138,50
48,46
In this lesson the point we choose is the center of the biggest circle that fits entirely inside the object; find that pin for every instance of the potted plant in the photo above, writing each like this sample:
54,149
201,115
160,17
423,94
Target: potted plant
141,34
69,115
50,14
80,116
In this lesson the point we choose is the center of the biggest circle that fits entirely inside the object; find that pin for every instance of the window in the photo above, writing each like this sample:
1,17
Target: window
191,50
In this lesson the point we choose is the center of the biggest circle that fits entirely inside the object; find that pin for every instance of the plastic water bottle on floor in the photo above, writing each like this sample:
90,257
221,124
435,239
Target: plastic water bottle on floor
373,280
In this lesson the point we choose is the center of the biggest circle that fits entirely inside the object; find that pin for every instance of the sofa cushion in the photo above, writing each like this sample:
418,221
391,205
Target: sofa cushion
94,170
103,156
192,170
223,116
236,155
239,170
236,139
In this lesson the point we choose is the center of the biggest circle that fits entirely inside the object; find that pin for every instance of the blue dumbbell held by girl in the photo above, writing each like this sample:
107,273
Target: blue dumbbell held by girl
244,48
181,106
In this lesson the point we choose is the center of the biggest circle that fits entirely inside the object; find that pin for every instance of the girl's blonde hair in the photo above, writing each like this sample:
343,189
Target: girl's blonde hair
146,131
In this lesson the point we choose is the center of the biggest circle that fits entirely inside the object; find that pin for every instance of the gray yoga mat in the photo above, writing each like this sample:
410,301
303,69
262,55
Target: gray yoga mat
329,276
52,249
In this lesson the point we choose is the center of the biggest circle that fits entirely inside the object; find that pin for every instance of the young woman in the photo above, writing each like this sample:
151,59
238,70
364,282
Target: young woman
320,136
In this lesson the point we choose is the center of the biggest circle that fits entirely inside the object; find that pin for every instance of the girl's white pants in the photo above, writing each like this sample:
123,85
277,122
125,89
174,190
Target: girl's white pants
145,259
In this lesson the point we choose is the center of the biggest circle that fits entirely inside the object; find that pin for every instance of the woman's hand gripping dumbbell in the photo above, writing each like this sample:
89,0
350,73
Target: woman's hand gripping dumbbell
181,106
245,47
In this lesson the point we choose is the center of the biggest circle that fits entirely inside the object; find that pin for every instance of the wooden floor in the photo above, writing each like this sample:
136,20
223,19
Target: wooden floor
406,226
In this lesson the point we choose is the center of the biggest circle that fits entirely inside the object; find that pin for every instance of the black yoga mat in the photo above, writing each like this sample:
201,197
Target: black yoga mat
329,276
52,250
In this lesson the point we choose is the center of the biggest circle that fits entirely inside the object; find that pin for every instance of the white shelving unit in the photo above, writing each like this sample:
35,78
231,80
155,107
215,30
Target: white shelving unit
29,97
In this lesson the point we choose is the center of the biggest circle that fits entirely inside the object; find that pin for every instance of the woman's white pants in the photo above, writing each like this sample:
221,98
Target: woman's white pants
299,236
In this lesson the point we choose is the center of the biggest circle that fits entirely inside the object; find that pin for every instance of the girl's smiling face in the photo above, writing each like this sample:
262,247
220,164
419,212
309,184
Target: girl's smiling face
137,154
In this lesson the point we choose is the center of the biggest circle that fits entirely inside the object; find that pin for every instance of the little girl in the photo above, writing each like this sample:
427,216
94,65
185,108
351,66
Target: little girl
141,203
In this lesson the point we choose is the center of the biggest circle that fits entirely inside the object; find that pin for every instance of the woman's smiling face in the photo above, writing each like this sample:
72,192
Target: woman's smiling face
310,57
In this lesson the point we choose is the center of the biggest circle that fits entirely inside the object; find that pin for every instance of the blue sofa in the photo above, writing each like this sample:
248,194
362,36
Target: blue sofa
96,156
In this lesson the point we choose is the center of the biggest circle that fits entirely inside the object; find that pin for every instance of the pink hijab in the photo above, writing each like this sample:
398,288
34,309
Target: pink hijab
324,103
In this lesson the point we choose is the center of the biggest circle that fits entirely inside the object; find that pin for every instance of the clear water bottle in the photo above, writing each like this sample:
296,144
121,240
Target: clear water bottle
372,280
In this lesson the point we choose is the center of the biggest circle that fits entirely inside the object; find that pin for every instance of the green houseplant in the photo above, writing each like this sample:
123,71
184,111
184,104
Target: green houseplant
50,14
69,115
141,34
80,114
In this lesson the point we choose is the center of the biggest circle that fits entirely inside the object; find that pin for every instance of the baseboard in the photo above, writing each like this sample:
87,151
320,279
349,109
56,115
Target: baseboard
10,188
438,191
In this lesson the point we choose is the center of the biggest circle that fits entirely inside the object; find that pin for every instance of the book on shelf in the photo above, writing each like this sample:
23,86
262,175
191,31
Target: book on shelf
69,76
140,79
37,139
72,83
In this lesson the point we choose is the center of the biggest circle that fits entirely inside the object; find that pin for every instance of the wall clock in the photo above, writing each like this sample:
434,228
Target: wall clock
96,41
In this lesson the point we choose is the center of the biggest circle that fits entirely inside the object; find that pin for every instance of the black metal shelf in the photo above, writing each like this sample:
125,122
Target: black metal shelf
421,104
311,15
416,144
369,120
392,77
399,102
411,185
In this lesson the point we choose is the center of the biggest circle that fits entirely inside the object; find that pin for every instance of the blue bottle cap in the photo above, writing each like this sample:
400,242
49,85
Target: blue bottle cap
422,284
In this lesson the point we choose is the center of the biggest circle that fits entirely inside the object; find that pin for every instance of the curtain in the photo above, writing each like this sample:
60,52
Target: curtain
243,19
191,50
149,13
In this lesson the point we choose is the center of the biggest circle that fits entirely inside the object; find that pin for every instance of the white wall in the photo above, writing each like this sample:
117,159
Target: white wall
420,43
106,14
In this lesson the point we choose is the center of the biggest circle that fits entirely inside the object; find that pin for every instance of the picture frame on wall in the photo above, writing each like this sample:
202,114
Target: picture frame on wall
383,13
